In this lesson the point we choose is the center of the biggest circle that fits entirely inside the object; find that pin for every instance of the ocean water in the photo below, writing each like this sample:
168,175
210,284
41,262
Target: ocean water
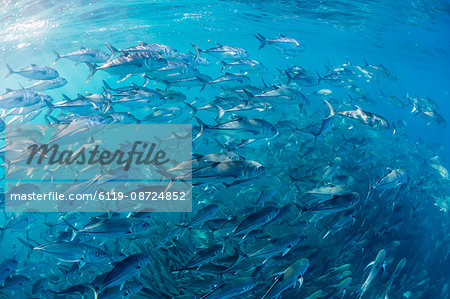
404,216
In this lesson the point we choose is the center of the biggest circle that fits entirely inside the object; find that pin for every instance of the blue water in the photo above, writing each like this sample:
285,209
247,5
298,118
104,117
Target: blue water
410,38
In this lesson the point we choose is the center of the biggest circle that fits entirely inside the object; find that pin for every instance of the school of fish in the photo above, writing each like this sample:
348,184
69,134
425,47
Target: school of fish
300,189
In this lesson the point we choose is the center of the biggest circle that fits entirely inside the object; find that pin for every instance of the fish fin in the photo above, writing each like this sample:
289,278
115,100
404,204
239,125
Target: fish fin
57,57
370,190
167,85
27,244
113,51
142,43
332,112
32,64
93,290
300,282
197,49
319,78
248,93
366,64
224,65
286,251
264,82
289,77
241,255
262,39
92,68
73,228
66,98
370,264
272,286
203,86
106,86
147,80
194,109
220,111
10,71
123,78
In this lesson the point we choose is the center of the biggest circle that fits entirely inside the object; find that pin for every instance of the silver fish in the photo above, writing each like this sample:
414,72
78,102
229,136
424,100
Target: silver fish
84,55
34,72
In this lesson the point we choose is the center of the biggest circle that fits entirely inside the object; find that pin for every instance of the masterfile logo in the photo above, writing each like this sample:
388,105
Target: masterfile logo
52,155
100,168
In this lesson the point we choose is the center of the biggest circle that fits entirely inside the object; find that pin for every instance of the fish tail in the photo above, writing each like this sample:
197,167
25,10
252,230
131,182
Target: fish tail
106,86
316,136
240,253
147,80
50,109
113,51
220,111
107,91
264,82
167,85
224,65
262,39
27,244
57,57
289,77
332,111
203,86
194,109
203,127
201,123
109,104
197,49
319,78
248,93
92,68
349,62
73,228
365,63
10,71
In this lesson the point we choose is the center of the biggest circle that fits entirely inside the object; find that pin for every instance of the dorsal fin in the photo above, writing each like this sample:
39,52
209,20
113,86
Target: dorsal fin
66,98
142,43
282,35
33,64
197,156
8,89
82,48
220,45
